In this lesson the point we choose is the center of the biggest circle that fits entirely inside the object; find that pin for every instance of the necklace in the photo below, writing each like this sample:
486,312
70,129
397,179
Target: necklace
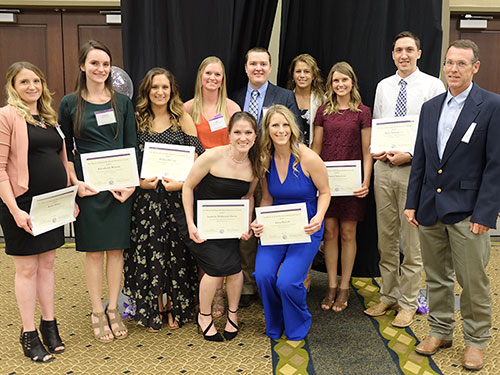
236,160
39,123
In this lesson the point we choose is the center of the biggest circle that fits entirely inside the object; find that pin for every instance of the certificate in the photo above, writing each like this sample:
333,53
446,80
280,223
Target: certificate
344,177
52,210
106,170
164,160
220,219
283,224
397,133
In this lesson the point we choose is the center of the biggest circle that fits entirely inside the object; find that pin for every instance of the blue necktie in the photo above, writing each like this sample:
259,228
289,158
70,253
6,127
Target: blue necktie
401,101
253,107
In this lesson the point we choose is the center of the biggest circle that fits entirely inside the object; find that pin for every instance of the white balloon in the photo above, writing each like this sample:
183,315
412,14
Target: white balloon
122,82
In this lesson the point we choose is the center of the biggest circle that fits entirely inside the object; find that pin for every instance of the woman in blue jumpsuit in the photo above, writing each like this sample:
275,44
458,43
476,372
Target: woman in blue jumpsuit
293,174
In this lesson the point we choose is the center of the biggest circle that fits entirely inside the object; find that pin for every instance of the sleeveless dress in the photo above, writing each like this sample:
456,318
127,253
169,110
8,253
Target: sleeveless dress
103,222
209,138
342,141
158,261
43,161
284,295
218,257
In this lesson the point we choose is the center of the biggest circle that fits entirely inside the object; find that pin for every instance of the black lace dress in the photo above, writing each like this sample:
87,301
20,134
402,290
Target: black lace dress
158,261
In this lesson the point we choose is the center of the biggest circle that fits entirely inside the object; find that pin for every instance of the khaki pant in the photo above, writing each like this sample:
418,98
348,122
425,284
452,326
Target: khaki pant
400,282
448,248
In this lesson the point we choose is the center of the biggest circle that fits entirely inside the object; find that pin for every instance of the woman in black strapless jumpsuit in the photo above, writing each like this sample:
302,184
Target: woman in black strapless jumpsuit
224,172
32,162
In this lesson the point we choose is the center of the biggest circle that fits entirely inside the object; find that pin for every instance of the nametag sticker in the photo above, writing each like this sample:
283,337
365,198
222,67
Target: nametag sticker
217,123
58,128
264,111
105,117
468,133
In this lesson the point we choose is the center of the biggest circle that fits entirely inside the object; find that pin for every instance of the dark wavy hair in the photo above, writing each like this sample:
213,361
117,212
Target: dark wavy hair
144,113
254,152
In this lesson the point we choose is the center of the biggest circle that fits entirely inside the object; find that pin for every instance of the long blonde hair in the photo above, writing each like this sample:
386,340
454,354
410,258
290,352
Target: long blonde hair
331,102
266,144
221,107
144,113
45,111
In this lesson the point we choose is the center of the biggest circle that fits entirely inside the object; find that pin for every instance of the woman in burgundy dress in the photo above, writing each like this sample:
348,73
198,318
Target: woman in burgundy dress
342,131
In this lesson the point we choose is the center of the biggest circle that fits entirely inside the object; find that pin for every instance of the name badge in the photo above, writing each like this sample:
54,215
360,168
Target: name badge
58,128
217,123
264,111
105,117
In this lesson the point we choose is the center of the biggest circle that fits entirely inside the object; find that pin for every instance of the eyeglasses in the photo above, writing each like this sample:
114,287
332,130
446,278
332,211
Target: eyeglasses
460,64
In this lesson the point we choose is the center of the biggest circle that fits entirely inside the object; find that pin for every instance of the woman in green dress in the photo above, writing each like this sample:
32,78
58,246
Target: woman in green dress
103,226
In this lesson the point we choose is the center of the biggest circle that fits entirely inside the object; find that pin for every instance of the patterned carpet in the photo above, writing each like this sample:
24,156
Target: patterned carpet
339,343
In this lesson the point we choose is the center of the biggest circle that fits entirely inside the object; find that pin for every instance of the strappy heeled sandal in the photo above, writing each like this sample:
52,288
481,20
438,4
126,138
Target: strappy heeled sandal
329,299
50,336
33,348
218,306
120,327
100,325
166,314
231,335
341,301
215,337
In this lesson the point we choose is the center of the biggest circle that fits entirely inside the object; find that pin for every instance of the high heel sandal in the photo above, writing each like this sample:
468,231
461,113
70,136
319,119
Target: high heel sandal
50,335
33,348
329,299
218,305
231,335
120,327
216,337
165,315
100,325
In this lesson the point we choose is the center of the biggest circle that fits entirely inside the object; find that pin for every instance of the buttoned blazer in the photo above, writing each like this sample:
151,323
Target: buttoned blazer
466,181
274,95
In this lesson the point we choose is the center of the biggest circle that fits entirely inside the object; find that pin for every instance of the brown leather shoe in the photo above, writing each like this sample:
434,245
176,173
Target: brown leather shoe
403,319
473,359
378,309
431,345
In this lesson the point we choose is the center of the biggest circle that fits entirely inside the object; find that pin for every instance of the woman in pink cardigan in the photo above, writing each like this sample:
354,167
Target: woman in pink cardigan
32,162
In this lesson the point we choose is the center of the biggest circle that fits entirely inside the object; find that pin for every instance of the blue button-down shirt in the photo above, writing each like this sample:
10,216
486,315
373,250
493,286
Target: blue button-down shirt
452,107
260,99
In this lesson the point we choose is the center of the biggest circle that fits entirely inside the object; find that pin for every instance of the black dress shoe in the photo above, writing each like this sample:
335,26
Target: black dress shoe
246,300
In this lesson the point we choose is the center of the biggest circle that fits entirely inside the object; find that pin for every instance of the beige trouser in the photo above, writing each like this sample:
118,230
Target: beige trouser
400,282
448,248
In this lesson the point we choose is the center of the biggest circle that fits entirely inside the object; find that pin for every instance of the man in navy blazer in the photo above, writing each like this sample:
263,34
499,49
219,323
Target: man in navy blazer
453,198
258,67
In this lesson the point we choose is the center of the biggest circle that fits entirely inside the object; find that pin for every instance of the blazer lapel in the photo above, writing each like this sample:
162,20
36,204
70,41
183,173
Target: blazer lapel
270,94
467,115
435,112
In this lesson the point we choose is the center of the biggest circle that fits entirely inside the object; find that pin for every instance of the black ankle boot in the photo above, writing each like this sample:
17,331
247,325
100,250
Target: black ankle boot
50,335
33,348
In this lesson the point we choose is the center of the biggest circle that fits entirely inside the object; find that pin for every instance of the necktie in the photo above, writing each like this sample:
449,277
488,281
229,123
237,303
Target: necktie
401,101
253,107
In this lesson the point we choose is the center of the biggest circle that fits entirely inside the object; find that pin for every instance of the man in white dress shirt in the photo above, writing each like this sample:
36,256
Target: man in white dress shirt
401,94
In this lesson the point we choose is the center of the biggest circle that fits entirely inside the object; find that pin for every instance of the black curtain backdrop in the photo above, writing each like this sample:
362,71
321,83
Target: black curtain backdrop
179,34
360,32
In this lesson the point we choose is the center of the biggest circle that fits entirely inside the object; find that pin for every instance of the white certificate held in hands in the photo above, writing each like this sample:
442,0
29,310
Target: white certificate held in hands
52,210
283,224
222,219
396,133
107,170
344,177
164,160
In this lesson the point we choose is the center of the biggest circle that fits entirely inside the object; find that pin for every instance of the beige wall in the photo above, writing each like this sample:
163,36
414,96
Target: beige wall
474,5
